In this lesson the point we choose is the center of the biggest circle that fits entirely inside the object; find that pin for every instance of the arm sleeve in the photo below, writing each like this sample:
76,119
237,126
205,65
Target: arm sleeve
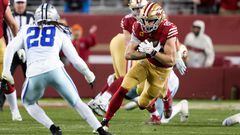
209,50
72,55
15,44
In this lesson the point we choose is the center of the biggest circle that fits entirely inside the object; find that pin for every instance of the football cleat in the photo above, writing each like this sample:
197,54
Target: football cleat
105,124
184,113
154,120
232,120
95,108
55,130
16,116
101,131
167,101
130,106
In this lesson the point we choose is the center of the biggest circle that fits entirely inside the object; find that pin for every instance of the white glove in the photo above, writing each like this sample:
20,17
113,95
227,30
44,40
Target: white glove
180,64
22,55
89,76
8,77
183,51
147,47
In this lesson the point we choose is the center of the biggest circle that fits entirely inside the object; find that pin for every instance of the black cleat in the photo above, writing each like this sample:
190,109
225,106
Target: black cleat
55,130
101,131
105,123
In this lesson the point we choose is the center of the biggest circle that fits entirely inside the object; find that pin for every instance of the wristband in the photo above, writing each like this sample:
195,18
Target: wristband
153,53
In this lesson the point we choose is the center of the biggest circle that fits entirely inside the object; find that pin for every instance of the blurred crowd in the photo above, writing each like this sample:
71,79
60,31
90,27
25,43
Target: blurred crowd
222,7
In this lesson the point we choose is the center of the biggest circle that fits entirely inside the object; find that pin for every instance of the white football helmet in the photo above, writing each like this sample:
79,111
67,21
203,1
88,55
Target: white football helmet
136,5
46,13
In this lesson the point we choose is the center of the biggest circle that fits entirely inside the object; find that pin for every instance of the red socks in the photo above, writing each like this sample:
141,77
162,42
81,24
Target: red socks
115,85
116,102
104,88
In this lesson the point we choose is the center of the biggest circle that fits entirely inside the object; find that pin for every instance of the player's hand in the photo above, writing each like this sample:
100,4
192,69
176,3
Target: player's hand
92,84
22,55
8,77
147,47
180,64
93,29
90,77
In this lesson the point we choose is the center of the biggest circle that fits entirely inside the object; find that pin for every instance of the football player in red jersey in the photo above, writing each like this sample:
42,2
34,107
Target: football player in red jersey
121,66
8,90
152,27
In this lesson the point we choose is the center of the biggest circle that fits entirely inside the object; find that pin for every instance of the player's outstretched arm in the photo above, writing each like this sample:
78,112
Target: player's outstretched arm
169,55
72,55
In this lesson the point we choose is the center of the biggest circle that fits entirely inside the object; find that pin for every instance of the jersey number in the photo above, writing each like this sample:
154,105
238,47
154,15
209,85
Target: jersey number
46,39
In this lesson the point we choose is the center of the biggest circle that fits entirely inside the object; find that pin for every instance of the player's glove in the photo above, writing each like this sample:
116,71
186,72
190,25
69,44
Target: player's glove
8,77
147,47
90,77
180,64
22,55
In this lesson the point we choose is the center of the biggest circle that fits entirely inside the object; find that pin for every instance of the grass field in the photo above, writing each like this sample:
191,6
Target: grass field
205,119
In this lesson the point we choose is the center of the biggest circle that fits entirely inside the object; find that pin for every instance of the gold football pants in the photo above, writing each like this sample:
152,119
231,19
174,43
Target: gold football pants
117,50
154,79
2,50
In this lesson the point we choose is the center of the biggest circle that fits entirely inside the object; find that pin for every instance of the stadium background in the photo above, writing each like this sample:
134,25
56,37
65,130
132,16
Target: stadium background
217,82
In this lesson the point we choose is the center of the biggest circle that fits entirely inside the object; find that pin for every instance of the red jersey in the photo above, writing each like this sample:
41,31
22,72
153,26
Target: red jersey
127,22
3,6
83,46
165,31
230,4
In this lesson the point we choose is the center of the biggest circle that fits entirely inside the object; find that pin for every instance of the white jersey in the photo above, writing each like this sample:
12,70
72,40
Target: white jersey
42,46
200,48
173,83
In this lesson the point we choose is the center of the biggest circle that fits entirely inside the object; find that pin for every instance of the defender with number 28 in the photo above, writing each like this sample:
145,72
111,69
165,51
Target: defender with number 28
42,42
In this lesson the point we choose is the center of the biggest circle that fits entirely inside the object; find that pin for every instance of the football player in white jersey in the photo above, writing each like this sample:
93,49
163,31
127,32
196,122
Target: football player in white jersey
42,42
232,120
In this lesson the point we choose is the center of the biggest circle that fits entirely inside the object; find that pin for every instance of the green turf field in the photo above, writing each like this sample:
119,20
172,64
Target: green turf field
205,119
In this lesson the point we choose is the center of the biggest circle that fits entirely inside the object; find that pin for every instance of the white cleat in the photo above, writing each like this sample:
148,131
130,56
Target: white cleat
95,108
184,113
130,106
102,104
16,116
232,120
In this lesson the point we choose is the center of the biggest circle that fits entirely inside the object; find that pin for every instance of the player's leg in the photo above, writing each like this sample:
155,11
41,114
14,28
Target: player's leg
95,103
133,95
117,50
132,79
2,48
33,90
67,89
181,107
232,120
10,94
